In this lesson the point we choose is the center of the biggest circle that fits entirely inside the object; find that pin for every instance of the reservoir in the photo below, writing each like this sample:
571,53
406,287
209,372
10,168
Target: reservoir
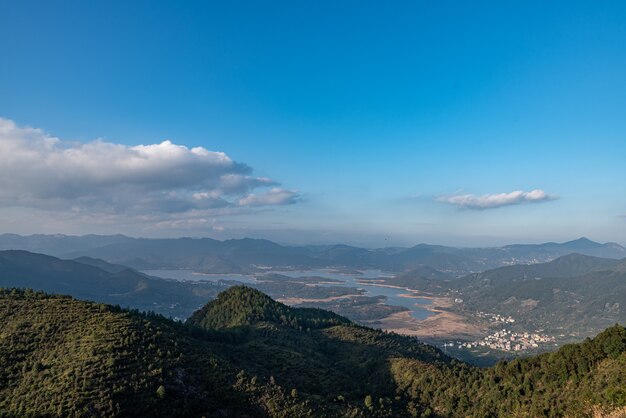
394,296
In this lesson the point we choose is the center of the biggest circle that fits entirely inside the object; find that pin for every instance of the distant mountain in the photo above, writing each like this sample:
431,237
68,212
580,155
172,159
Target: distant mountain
249,255
58,244
101,264
62,357
446,259
428,279
202,254
102,282
423,278
572,294
428,273
581,245
565,266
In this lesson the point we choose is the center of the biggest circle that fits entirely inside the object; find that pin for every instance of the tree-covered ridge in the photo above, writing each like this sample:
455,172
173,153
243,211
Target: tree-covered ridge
577,380
241,305
62,357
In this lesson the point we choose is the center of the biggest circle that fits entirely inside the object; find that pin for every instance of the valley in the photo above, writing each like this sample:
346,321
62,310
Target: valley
361,296
526,298
365,298
564,300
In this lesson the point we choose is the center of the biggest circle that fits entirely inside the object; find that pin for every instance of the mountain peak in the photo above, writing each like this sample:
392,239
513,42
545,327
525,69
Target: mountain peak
242,305
582,242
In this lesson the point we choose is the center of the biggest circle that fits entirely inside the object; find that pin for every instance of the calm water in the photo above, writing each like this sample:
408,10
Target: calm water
352,280
393,295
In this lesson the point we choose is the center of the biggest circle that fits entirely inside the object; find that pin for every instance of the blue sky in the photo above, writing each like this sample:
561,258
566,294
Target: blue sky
377,124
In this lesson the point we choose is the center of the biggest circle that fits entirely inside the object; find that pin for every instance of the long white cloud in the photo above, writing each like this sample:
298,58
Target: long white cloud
44,172
496,200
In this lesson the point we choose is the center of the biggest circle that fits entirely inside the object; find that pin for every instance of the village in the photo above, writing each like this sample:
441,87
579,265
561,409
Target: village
496,318
507,340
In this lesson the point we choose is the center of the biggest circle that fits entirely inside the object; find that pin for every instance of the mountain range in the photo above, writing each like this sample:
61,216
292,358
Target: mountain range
248,255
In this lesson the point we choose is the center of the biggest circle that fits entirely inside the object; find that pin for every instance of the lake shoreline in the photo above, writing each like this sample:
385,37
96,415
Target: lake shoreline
418,307
443,324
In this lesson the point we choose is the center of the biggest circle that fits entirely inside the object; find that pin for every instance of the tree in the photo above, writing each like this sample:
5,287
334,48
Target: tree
369,404
161,392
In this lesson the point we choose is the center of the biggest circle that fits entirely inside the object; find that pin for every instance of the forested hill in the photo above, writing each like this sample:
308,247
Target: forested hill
241,305
61,357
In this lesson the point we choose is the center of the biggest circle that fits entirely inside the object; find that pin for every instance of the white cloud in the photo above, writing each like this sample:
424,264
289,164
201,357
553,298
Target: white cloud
275,196
98,177
496,200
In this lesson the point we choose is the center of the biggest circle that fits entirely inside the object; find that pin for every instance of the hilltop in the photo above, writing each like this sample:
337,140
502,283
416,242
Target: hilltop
240,305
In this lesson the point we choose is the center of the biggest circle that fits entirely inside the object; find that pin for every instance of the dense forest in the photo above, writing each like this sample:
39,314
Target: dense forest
244,354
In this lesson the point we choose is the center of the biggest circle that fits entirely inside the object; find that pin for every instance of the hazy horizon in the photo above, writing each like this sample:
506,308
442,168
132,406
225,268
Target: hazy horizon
384,244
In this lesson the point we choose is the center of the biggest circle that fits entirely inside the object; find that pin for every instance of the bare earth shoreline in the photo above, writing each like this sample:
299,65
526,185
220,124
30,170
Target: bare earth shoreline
443,324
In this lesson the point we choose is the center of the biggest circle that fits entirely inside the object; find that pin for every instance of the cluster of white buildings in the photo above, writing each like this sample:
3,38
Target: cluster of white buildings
506,340
515,261
496,318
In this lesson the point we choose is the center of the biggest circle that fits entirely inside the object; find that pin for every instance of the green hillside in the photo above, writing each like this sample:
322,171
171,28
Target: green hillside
244,354
242,305
61,357
578,380
575,304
